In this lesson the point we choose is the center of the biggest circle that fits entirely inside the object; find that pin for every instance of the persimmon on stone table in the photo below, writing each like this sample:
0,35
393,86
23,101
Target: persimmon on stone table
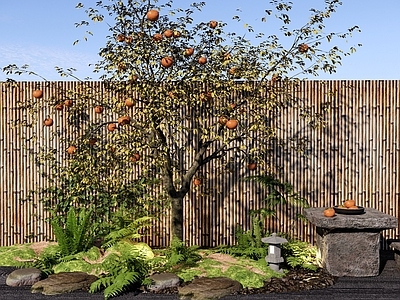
349,244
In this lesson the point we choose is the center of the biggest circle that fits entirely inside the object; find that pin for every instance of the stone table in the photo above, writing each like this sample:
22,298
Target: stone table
349,244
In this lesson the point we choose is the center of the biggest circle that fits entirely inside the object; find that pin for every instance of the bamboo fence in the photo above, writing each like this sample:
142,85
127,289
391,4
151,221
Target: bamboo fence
356,155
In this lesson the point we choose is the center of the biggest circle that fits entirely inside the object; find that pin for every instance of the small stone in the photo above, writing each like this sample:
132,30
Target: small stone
163,281
22,277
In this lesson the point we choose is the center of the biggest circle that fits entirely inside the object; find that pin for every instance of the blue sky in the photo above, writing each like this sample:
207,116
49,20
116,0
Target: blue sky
41,33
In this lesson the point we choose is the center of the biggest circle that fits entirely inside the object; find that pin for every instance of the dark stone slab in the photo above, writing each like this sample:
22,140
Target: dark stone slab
64,282
372,219
204,288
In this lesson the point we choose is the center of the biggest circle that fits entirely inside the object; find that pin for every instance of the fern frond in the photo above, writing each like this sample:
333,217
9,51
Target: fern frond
113,290
142,222
99,284
115,236
82,237
129,277
68,258
71,223
129,232
61,236
121,283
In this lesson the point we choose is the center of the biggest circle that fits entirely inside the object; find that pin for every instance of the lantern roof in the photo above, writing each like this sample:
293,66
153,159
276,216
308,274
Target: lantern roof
273,239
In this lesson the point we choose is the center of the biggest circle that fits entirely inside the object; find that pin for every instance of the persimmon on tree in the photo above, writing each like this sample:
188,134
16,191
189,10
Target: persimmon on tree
181,74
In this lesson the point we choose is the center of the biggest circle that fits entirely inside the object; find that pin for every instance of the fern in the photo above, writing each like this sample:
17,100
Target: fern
66,258
251,252
248,243
120,284
130,232
125,269
100,283
175,259
257,232
46,261
82,241
61,236
244,239
77,234
300,254
179,253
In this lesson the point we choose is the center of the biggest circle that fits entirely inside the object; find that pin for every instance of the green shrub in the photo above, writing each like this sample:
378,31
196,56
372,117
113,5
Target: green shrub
178,256
93,178
298,254
248,243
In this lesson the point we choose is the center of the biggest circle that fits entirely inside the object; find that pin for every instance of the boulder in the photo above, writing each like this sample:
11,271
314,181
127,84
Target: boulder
64,282
209,288
163,281
21,277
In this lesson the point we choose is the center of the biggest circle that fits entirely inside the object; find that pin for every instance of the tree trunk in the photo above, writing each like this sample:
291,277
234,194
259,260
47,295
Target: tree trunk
177,217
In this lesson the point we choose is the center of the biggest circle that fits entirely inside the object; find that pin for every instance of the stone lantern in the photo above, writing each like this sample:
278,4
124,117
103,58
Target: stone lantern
274,257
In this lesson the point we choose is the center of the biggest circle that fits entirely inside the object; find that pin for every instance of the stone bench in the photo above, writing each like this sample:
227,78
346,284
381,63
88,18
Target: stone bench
349,244
396,247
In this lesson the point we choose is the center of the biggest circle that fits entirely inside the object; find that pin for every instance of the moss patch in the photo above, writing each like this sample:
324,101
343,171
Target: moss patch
78,266
14,255
249,273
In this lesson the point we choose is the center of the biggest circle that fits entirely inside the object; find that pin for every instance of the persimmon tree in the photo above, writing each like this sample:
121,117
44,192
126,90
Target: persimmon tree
186,91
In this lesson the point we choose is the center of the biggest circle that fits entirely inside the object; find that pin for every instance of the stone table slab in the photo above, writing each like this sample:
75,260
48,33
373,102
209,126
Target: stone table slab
371,219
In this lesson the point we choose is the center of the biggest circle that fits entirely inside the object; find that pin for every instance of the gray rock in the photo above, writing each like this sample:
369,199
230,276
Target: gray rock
209,288
21,277
64,282
163,281
347,253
